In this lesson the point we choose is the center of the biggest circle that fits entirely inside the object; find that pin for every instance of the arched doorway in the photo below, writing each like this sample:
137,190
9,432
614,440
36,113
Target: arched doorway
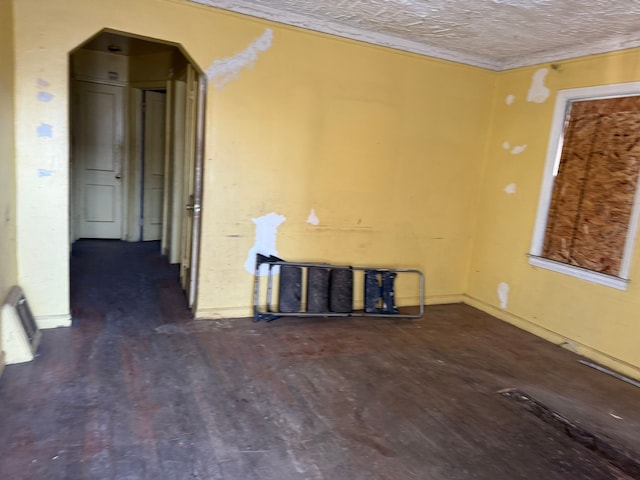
136,118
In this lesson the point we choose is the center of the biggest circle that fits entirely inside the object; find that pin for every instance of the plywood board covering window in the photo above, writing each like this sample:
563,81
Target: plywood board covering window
595,185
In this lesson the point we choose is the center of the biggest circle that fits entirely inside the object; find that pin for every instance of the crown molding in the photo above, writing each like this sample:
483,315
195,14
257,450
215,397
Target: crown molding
424,49
352,33
554,56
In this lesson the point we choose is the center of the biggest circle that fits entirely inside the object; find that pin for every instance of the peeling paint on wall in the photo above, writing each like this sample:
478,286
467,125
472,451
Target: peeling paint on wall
45,96
503,294
222,71
518,149
313,218
510,189
44,130
572,347
265,243
538,93
506,145
43,172
509,99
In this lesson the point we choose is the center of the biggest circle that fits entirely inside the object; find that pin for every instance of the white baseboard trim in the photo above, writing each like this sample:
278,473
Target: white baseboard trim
213,313
53,321
444,299
597,356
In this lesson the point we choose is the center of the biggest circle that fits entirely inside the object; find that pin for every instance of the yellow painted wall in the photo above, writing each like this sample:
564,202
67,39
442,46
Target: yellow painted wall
8,275
386,147
598,321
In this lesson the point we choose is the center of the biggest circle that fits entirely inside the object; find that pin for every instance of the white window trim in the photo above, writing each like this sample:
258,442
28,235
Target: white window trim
554,152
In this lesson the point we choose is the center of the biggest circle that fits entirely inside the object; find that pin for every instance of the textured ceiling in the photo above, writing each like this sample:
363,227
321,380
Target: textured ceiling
495,34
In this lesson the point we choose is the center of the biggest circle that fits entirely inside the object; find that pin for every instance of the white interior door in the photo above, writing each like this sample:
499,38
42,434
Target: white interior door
154,160
98,137
186,240
176,204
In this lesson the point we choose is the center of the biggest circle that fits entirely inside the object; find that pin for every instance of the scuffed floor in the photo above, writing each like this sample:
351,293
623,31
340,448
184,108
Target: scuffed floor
137,390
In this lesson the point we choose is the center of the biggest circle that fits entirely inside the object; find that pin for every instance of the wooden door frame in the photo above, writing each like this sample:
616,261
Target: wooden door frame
134,182
198,179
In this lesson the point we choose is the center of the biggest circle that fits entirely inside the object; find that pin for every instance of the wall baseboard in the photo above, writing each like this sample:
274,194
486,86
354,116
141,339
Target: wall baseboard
570,344
213,313
444,299
53,321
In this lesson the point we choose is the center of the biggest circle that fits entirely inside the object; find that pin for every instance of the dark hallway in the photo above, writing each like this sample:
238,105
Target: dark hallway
138,390
127,287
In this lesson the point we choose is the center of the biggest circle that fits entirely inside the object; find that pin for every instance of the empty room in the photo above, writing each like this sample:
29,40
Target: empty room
378,239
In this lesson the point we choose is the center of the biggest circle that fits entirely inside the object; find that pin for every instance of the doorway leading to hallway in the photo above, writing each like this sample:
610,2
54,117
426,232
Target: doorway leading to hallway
136,116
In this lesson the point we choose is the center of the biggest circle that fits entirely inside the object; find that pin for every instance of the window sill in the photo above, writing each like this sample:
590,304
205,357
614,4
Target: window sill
582,273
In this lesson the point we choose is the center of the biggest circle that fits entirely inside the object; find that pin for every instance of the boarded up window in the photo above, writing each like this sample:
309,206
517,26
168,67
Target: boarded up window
595,185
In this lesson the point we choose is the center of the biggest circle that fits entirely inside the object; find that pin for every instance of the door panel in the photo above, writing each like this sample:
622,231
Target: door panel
186,242
97,160
177,155
154,151
100,201
201,82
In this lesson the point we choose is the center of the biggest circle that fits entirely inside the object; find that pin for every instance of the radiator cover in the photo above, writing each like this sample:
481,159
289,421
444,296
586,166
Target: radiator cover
20,332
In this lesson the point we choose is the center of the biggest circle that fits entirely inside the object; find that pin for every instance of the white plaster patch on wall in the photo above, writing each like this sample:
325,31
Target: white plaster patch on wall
44,130
503,294
506,145
45,96
265,243
510,189
223,70
313,218
509,99
518,149
538,93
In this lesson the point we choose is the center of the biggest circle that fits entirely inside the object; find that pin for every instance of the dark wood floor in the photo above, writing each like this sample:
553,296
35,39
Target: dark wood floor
137,390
